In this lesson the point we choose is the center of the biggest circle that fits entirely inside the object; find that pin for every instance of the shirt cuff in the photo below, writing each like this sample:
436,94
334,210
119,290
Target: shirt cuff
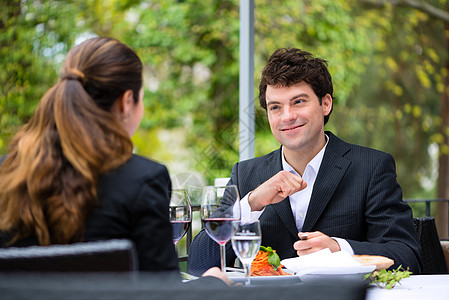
245,210
344,245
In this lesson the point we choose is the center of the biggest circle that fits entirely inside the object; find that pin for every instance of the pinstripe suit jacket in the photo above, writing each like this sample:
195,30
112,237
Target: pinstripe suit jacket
355,197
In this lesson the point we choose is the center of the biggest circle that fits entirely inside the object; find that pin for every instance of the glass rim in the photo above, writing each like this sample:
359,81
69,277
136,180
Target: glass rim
245,222
220,186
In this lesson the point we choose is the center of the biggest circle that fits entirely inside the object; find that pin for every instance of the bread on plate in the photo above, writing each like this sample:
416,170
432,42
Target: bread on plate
381,262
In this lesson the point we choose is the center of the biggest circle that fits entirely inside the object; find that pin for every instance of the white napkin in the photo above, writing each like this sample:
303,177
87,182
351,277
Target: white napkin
326,262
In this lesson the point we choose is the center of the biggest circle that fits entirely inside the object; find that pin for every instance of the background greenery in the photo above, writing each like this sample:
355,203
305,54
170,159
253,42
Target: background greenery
389,62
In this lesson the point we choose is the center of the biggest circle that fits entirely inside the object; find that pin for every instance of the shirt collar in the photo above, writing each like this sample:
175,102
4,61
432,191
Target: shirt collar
315,163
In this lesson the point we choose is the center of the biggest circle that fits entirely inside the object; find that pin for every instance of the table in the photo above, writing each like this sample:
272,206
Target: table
422,287
416,287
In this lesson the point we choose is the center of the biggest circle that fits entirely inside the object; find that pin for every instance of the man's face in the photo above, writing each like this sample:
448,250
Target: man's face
296,116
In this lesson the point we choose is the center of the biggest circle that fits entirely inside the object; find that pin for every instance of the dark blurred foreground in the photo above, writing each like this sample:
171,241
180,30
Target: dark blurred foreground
161,286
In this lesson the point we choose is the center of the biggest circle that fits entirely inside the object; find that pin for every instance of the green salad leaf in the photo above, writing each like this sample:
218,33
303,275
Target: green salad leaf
388,279
273,258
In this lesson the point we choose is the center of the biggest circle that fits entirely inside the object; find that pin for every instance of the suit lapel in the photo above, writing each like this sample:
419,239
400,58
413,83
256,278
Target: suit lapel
272,167
283,208
331,171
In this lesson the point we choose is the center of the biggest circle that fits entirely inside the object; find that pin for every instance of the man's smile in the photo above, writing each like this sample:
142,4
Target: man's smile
292,128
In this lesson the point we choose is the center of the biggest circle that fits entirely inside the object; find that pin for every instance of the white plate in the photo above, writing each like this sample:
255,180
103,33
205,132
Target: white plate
265,280
239,277
332,277
336,270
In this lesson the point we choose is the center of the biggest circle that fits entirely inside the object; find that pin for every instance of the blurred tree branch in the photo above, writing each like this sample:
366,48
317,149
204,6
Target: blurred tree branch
441,208
419,5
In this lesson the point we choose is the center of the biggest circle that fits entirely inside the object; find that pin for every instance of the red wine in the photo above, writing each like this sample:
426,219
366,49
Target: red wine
219,229
179,229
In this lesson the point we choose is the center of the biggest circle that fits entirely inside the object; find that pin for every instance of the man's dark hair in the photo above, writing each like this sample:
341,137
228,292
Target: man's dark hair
289,66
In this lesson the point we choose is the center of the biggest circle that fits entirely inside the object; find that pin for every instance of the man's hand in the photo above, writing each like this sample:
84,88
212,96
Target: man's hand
216,272
275,189
315,241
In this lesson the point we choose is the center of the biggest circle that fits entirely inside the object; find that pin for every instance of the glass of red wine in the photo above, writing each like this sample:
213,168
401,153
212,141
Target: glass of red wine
220,205
180,213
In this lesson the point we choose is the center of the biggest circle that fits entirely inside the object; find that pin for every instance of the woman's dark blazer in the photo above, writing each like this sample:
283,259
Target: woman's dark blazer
355,197
133,204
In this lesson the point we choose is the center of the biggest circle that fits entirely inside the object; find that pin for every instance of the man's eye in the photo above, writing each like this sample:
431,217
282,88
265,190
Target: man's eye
274,107
298,101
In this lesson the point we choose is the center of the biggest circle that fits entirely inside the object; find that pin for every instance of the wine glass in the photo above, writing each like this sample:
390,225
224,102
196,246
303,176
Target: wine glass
220,205
246,239
180,213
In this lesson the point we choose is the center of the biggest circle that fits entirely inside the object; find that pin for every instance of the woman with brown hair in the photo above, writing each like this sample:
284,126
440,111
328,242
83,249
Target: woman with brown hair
70,174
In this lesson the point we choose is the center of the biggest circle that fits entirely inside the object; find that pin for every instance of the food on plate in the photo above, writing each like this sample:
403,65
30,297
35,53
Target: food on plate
388,279
381,262
267,263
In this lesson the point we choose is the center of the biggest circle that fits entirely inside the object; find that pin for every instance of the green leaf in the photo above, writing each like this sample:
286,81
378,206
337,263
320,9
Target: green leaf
388,279
274,260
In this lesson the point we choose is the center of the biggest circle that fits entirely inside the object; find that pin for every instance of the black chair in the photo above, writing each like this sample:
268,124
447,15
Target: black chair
431,251
97,256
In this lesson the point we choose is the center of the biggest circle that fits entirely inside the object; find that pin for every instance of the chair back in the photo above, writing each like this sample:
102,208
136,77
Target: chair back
97,256
431,251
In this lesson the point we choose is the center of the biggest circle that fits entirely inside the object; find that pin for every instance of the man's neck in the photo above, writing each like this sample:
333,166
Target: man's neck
298,159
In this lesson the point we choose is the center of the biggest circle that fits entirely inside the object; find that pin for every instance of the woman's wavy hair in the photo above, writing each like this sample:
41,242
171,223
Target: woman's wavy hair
48,181
289,66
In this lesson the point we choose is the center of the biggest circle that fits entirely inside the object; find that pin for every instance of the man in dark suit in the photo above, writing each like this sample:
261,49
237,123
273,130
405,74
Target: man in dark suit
343,196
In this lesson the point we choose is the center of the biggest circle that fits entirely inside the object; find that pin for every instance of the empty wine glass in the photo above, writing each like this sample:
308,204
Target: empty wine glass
219,207
180,213
246,239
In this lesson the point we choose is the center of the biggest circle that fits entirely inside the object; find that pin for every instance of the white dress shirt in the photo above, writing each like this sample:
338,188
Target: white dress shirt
299,201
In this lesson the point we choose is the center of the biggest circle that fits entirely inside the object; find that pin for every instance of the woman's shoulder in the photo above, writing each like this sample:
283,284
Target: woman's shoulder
137,161
138,175
142,164
138,168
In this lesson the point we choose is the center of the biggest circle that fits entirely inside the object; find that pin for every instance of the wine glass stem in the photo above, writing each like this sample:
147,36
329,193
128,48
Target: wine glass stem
247,273
223,257
176,247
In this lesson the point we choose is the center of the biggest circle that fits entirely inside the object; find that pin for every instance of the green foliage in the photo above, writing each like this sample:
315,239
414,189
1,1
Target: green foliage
397,107
327,28
33,41
190,50
387,65
388,278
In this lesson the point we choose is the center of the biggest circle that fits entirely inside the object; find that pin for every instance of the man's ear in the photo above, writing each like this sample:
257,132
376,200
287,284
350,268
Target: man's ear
327,103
